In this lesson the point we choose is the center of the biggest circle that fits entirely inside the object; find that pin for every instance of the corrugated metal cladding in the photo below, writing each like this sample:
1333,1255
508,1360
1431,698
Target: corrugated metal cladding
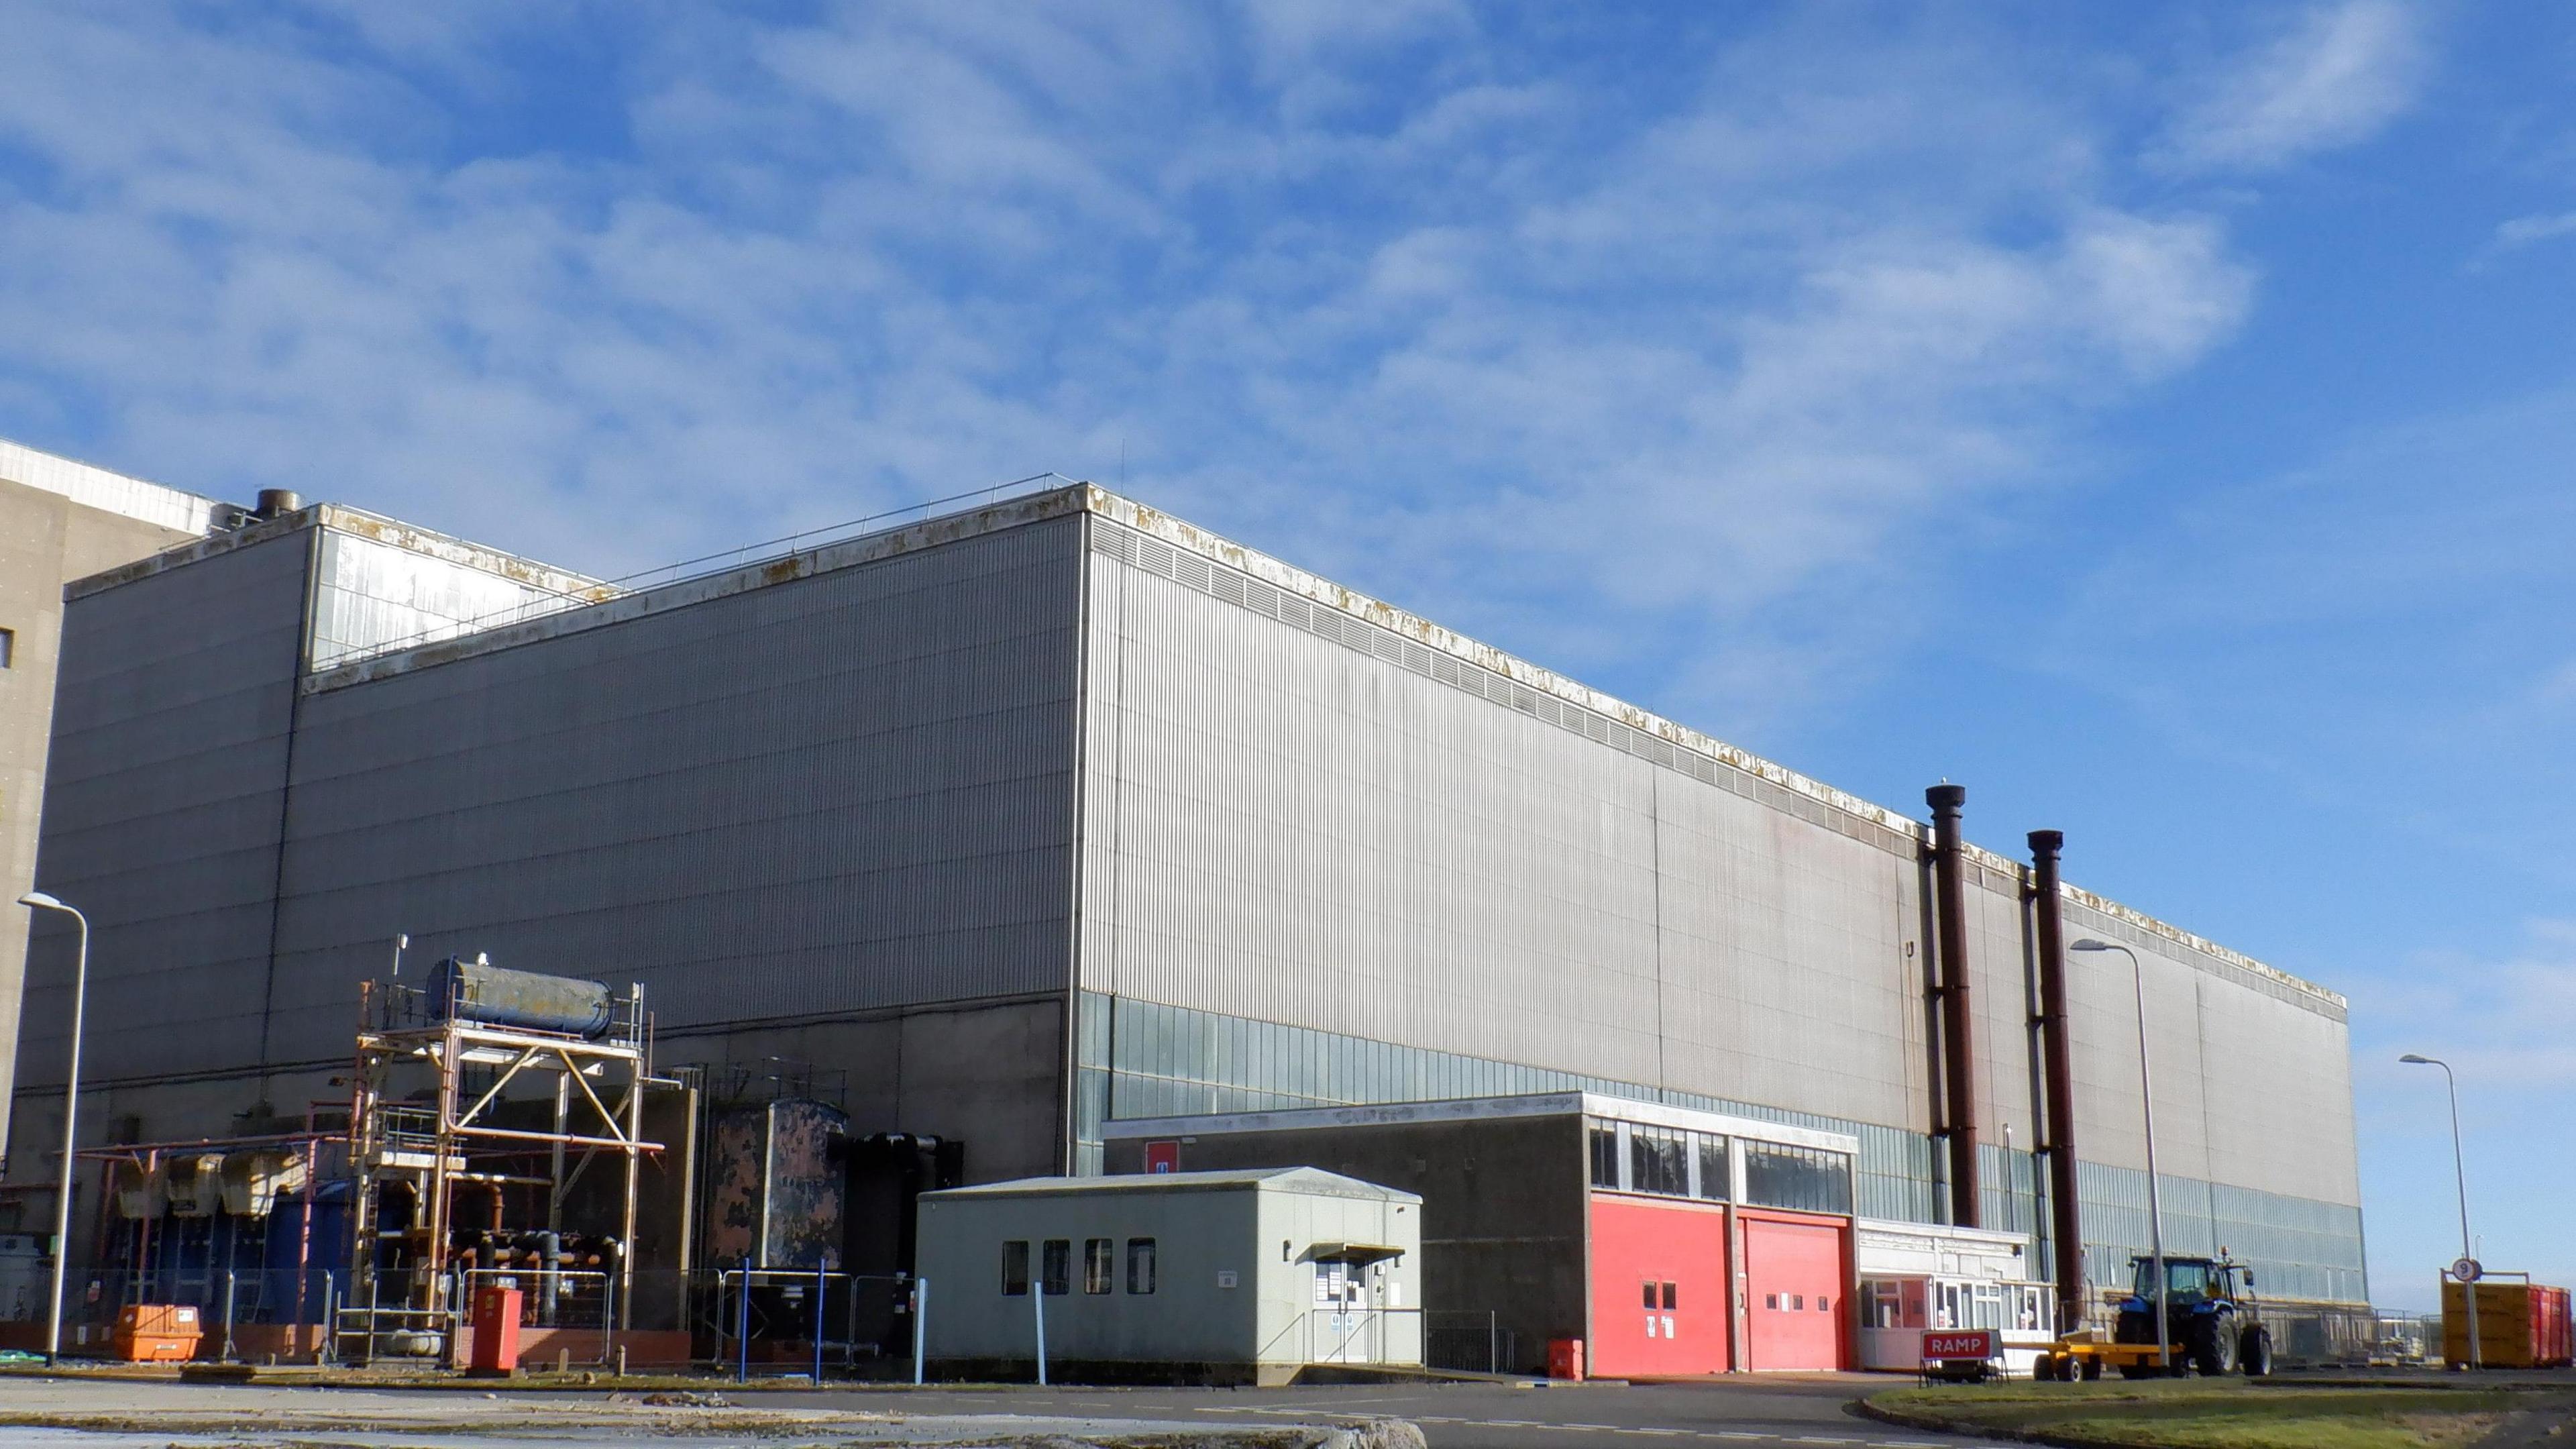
2234,1066
162,811
370,597
843,792
1282,826
1291,818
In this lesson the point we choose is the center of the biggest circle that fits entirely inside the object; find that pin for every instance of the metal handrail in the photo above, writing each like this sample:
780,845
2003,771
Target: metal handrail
544,1308
371,1329
1362,1322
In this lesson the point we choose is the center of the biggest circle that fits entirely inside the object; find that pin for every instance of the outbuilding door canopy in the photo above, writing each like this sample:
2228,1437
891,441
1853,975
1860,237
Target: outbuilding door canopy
1353,1252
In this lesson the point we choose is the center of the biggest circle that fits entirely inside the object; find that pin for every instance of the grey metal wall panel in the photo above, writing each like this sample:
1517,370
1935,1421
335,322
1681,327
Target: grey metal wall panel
2003,998
1285,828
1282,829
839,793
162,818
1309,826
2251,1089
1788,980
371,597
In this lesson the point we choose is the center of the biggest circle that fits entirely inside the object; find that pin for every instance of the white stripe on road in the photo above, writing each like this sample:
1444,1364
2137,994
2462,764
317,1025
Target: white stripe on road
1739,1436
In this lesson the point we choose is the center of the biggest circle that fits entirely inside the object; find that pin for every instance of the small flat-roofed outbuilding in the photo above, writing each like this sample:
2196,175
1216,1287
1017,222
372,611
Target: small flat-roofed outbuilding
1666,1241
1230,1277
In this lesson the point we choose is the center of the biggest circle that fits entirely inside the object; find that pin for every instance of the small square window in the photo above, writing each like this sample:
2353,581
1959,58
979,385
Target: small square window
1015,1269
1824,1304
1650,1295
1770,1300
1672,1296
1056,1266
8,648
1096,1258
1140,1265
1797,1302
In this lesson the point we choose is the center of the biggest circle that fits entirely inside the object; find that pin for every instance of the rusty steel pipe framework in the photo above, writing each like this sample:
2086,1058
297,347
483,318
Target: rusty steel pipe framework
2057,1053
1958,1033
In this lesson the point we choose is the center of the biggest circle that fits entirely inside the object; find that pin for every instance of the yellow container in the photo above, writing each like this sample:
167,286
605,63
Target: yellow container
2509,1325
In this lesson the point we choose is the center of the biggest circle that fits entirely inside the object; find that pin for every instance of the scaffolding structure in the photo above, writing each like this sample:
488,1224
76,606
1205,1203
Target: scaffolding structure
433,1117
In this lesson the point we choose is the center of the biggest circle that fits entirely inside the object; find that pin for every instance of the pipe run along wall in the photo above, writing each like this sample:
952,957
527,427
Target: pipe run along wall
1958,1043
2057,1052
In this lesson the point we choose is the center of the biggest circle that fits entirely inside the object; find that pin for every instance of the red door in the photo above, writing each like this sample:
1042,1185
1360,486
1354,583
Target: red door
1794,1285
1658,1288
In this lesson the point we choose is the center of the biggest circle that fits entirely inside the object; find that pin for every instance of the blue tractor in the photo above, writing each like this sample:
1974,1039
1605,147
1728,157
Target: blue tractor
2212,1320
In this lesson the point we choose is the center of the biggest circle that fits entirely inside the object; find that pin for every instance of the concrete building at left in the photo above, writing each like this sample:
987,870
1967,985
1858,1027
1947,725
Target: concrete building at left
59,520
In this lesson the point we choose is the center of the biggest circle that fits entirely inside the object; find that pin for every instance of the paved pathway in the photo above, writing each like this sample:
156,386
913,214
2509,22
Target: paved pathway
1764,1412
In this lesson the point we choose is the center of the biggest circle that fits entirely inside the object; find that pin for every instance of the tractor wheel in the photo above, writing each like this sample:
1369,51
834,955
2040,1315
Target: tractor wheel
2254,1352
2213,1350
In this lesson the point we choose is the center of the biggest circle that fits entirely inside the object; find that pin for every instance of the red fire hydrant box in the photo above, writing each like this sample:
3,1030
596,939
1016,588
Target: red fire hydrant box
496,1332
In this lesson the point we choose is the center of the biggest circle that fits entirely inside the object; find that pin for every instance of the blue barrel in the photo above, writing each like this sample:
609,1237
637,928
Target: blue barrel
478,991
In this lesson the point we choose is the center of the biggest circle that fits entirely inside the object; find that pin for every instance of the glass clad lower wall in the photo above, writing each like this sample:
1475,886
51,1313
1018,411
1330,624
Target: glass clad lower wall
1142,1059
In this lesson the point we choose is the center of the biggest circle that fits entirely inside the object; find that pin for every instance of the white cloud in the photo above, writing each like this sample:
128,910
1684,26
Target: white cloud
2520,232
2334,78
1523,352
2509,1019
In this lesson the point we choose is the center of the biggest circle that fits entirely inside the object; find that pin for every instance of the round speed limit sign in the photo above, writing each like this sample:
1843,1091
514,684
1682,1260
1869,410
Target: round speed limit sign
2467,1270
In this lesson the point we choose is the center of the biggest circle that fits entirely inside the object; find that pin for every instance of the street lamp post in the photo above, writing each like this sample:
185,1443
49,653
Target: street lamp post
2460,1171
2147,1103
38,900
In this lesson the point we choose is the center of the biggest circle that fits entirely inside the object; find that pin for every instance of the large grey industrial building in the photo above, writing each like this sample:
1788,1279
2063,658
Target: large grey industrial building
1059,811
59,520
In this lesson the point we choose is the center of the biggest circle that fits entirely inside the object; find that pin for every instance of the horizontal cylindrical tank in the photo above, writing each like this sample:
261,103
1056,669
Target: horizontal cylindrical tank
479,991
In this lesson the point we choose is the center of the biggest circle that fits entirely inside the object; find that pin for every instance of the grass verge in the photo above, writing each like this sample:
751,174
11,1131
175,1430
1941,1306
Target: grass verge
2187,1414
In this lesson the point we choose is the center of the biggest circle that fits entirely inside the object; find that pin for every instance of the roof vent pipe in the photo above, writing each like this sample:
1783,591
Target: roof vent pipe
2057,1055
1958,1038
276,503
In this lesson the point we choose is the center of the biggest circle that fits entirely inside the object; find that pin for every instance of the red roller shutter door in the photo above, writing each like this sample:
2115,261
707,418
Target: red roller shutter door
1658,1288
1794,1282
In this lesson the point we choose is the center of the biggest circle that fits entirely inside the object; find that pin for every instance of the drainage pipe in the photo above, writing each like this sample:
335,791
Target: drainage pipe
2057,1053
1958,1034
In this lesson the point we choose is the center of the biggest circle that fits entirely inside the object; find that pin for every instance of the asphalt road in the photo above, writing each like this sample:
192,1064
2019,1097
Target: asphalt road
1749,1411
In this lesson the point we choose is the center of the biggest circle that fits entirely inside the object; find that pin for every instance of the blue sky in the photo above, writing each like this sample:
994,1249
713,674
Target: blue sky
2157,418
